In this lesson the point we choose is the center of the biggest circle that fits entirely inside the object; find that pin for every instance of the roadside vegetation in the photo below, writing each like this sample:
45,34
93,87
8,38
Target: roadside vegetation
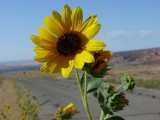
9,101
145,75
16,104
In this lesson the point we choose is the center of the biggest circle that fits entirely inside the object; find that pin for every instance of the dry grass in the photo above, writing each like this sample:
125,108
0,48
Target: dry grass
9,96
145,75
33,74
1,78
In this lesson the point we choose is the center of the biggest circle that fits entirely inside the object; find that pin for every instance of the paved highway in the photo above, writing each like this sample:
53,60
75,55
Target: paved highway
144,103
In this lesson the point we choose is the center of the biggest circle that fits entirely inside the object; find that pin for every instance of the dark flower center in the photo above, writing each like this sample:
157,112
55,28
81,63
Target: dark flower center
96,55
99,62
68,44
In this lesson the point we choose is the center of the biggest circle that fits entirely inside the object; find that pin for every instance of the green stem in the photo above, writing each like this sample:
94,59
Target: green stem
84,94
85,98
120,86
102,115
79,85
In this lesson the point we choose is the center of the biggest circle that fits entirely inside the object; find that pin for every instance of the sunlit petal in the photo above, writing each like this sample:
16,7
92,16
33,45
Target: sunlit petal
67,70
83,57
45,34
77,18
54,26
95,45
91,31
66,16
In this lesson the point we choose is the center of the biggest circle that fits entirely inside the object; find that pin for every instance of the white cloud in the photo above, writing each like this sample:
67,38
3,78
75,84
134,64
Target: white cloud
129,34
130,40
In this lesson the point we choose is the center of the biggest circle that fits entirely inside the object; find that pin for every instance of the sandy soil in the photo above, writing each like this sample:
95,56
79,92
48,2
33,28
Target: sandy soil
9,96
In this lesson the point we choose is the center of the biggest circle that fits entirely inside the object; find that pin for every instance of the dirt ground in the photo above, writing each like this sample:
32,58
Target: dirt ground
9,97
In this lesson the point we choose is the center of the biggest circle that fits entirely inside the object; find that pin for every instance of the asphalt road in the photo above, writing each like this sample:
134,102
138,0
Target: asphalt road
144,103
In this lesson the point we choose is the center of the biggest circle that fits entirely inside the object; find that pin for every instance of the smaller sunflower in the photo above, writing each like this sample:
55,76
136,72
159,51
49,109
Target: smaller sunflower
65,112
66,41
101,60
99,68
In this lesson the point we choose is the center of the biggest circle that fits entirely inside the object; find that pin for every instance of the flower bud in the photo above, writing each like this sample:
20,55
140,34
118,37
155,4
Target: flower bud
128,82
117,101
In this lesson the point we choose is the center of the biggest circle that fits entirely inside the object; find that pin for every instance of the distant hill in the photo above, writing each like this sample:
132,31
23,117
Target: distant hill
145,56
19,65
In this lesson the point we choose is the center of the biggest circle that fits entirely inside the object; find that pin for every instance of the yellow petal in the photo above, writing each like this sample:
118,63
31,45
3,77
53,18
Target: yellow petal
73,111
91,31
58,62
45,68
69,105
47,44
77,18
95,45
55,68
43,54
57,17
66,16
45,34
67,70
83,57
54,26
43,57
35,39
91,20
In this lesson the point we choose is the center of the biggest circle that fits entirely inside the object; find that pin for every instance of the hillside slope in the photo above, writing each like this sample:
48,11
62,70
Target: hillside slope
145,56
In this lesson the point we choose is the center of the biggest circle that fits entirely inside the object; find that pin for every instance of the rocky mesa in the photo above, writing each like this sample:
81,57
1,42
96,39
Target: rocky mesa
145,56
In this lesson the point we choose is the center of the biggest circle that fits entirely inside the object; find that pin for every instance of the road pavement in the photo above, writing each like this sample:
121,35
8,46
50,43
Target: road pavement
144,103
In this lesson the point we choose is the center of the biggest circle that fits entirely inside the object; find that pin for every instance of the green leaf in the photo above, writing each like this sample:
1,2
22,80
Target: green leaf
94,84
106,110
101,101
114,118
83,81
100,98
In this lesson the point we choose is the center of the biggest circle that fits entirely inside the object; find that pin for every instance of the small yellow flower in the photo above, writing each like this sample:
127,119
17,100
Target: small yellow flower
8,108
66,42
101,60
65,113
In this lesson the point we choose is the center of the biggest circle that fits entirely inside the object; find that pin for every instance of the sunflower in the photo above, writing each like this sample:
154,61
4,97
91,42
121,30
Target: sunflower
101,60
66,41
65,113
99,68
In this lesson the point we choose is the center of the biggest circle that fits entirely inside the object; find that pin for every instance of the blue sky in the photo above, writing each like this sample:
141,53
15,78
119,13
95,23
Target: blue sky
125,24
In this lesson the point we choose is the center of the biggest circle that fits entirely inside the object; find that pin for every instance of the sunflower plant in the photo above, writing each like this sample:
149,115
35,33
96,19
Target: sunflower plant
67,42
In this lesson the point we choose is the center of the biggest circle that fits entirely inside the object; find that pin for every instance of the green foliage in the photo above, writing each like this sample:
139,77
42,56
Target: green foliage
100,98
152,84
128,83
29,107
110,98
117,101
92,83
87,67
108,88
114,118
